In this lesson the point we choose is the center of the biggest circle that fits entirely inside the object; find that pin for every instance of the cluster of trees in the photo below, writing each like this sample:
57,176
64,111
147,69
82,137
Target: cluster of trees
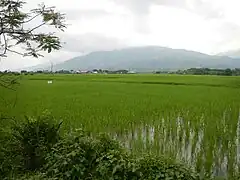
2,73
204,71
191,71
94,71
208,71
23,72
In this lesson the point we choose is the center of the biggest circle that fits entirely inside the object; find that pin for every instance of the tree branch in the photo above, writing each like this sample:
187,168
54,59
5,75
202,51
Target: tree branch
13,32
5,45
21,32
36,27
15,52
27,21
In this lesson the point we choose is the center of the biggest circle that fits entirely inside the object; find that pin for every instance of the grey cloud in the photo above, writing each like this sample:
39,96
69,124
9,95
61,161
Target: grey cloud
141,9
206,10
230,28
174,3
90,42
138,6
141,23
230,32
200,7
78,14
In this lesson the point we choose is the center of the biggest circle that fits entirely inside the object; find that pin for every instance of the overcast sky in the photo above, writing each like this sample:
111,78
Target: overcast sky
208,26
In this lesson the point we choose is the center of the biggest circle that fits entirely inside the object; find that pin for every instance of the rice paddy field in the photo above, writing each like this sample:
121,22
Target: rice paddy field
194,119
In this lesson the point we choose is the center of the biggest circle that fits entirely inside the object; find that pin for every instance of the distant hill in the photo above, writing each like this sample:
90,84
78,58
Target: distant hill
147,59
232,54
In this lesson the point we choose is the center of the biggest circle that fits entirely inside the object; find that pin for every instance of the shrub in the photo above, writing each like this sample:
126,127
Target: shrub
76,156
34,139
34,176
6,161
116,165
36,145
26,146
155,167
84,157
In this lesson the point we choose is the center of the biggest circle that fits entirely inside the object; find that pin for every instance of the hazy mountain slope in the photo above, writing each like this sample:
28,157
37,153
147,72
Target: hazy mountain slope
147,58
232,54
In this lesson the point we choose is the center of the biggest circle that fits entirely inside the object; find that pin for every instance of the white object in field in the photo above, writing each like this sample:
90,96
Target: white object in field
50,82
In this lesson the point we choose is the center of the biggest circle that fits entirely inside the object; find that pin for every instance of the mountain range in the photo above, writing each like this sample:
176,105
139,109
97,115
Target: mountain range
232,54
147,58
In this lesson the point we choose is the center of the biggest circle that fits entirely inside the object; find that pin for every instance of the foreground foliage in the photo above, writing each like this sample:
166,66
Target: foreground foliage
35,151
24,147
85,157
13,31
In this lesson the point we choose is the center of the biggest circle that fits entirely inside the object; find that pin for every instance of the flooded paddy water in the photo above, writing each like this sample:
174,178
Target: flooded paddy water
212,149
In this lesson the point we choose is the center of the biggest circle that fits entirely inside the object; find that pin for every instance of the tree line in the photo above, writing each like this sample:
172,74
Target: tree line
191,71
206,71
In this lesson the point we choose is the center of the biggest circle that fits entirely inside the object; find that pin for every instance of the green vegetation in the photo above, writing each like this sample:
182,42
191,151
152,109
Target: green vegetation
19,25
194,119
77,155
208,71
25,145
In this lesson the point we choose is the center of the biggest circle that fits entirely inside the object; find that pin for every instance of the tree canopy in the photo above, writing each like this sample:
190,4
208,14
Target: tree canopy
21,28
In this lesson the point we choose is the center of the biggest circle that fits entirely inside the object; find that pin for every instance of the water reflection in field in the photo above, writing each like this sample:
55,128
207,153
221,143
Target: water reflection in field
212,149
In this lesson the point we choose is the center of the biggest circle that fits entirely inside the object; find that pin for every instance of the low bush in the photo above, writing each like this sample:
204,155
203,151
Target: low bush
76,157
24,147
155,167
34,176
34,150
34,139
85,157
5,156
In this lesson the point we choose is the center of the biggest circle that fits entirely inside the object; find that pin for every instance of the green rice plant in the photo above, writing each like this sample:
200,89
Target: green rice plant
121,105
